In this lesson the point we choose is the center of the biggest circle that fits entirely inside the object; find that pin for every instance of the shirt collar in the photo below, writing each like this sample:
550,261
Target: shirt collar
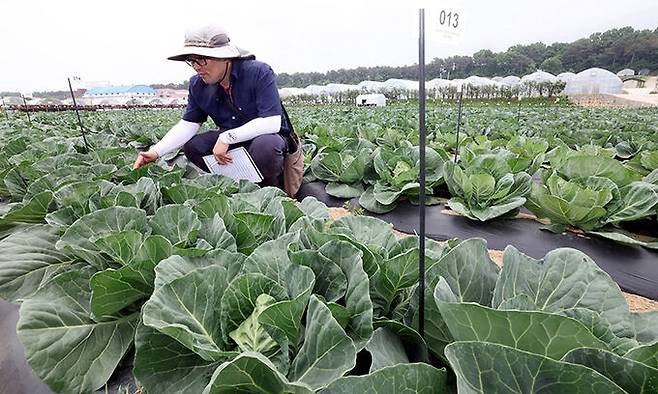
236,67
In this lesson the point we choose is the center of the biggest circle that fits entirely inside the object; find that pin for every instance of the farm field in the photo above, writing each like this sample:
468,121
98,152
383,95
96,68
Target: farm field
198,283
589,165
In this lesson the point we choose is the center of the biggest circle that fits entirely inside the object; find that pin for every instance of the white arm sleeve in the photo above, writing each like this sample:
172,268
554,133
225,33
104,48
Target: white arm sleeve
252,129
182,132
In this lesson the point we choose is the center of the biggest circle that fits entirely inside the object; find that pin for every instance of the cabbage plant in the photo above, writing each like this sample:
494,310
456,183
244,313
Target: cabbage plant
397,177
558,322
592,192
485,187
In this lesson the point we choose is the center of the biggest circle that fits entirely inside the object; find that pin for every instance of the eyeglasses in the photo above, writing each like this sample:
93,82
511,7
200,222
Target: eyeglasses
196,62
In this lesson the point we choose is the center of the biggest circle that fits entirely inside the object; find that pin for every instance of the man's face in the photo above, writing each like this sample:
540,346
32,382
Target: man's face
210,70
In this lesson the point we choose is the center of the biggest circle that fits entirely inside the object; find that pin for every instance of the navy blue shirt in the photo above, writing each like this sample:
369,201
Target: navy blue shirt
253,95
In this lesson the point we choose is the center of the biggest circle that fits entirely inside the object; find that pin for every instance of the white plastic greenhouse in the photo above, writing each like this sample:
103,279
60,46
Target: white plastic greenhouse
474,80
340,87
566,76
539,76
315,89
457,82
437,83
403,84
290,92
627,72
594,81
371,86
511,80
13,100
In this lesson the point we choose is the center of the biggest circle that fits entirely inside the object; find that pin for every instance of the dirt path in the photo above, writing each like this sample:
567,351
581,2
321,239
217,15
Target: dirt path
642,95
635,302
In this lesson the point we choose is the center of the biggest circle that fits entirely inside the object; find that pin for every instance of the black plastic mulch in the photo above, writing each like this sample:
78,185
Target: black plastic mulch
635,269
16,376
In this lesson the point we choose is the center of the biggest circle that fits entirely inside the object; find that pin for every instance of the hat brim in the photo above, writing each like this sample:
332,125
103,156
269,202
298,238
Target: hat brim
225,52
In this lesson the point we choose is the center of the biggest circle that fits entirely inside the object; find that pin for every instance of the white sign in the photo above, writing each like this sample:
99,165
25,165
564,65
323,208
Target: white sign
445,22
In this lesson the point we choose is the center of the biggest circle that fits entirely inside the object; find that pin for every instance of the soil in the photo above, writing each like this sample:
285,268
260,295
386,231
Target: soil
635,302
642,95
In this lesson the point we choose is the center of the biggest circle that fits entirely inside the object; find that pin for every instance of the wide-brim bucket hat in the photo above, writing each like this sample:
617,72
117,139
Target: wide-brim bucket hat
209,40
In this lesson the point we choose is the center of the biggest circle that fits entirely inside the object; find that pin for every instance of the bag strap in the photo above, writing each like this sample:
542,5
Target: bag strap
285,113
292,137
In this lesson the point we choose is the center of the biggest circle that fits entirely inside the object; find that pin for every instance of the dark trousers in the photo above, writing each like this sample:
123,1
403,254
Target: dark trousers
267,151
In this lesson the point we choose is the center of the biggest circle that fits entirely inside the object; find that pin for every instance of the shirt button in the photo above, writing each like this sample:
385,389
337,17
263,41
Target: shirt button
217,99
233,117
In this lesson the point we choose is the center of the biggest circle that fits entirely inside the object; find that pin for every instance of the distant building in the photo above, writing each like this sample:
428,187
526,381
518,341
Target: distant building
171,93
118,95
170,96
12,100
44,101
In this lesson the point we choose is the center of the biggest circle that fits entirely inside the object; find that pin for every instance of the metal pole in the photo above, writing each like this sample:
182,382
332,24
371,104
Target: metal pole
518,115
4,107
421,199
459,122
27,112
75,105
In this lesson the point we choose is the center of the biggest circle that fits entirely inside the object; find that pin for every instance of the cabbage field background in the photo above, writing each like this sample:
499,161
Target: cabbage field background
204,284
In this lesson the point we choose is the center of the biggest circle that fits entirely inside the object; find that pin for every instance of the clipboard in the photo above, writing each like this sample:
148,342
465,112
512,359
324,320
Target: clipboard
242,166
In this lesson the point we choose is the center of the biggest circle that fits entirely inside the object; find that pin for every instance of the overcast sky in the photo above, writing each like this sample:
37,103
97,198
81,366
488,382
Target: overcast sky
127,41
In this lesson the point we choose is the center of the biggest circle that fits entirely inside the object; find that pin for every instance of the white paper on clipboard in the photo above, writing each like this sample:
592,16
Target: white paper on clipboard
242,166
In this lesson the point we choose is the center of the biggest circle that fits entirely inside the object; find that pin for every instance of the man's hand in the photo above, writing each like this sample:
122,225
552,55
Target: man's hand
219,151
145,158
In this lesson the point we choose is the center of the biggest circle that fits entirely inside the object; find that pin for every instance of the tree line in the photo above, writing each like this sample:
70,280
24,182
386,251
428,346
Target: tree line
612,50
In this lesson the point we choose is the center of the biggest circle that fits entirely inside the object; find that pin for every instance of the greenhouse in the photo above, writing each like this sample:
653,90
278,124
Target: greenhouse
474,80
315,89
401,84
340,87
594,81
290,92
566,76
371,86
538,77
12,100
437,83
627,72
511,80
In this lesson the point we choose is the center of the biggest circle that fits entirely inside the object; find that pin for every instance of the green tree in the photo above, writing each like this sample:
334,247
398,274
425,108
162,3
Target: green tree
613,50
552,65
